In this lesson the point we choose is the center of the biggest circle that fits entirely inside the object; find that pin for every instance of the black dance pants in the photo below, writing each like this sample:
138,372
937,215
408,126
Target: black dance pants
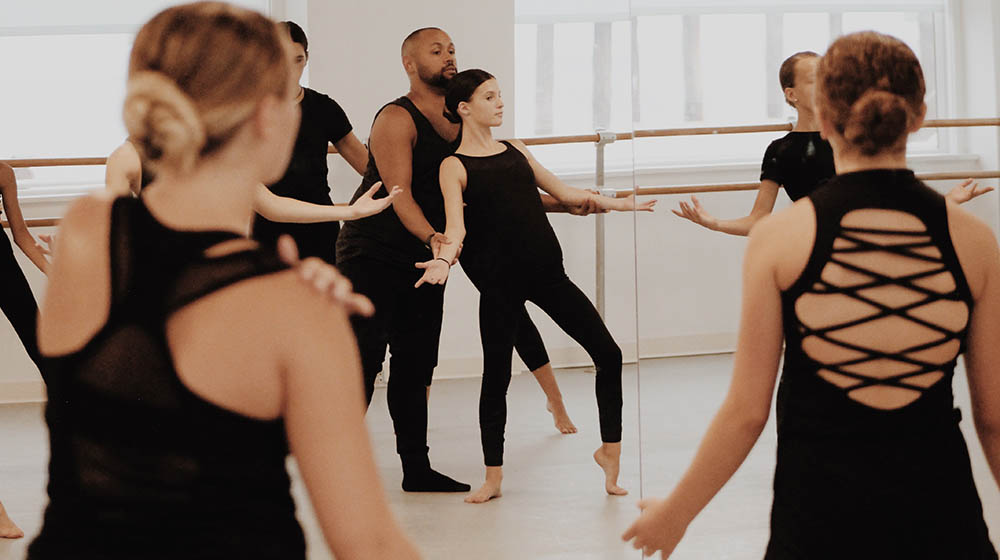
500,313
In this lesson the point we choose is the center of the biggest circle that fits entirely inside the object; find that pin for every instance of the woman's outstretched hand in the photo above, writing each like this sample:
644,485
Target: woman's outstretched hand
368,205
628,204
966,191
325,279
655,530
435,272
695,212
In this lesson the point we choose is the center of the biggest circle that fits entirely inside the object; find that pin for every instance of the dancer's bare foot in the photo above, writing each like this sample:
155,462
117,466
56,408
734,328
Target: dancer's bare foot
561,417
8,530
608,457
490,489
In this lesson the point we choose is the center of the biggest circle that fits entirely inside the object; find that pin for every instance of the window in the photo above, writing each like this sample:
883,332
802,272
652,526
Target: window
65,65
683,63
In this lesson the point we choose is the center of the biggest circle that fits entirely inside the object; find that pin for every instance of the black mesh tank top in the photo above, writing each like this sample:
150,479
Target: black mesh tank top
140,466
508,234
382,236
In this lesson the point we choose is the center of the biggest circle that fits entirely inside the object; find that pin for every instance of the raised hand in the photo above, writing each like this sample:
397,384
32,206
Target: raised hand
325,279
966,191
655,530
368,205
696,213
49,241
435,272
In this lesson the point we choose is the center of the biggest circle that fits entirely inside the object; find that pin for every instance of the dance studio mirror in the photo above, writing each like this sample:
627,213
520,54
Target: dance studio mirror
708,102
565,73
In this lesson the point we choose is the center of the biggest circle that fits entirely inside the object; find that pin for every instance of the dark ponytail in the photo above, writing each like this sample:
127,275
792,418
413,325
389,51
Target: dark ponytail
460,88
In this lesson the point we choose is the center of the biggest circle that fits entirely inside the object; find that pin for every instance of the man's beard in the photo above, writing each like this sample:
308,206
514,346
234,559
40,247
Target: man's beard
437,80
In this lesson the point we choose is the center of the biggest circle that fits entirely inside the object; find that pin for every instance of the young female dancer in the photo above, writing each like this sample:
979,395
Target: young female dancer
800,161
514,256
172,405
877,284
323,122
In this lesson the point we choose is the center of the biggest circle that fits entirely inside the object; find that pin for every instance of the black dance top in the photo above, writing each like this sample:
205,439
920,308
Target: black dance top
799,162
140,466
508,234
383,236
854,480
323,122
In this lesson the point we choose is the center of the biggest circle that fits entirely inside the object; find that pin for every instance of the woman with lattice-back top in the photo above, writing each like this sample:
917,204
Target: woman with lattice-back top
877,285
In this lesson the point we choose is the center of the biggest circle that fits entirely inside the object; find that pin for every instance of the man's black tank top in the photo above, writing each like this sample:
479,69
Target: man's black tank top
383,236
135,455
508,234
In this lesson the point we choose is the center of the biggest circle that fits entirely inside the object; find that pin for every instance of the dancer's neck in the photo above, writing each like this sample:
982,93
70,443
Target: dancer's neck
477,139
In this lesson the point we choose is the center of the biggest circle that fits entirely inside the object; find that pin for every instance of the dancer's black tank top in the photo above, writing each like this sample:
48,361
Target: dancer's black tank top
141,466
853,480
806,402
383,236
508,235
800,162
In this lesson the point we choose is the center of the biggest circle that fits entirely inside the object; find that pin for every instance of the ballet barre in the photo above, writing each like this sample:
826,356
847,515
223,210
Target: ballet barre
752,186
600,139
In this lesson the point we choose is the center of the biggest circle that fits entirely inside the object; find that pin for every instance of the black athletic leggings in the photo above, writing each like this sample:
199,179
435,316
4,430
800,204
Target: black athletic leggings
528,344
500,315
16,300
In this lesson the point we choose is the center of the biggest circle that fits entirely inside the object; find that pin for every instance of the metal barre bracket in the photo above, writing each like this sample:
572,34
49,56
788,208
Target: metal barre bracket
605,137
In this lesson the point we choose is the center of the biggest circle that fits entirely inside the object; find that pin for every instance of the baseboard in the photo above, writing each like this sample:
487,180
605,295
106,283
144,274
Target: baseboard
472,366
22,391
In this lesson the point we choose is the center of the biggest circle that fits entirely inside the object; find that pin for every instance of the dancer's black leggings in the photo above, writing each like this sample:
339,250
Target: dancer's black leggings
528,344
16,300
500,314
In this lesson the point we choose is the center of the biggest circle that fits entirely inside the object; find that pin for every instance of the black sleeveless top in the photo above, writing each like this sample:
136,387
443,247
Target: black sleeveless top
853,480
383,236
800,162
508,234
140,466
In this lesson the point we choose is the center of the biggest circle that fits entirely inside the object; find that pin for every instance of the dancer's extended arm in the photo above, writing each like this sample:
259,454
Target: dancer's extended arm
574,197
289,210
741,418
453,180
762,206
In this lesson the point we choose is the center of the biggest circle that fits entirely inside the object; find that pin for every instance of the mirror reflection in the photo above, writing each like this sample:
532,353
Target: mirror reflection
750,143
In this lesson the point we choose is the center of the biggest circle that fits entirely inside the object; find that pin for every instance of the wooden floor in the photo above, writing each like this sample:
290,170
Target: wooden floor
554,505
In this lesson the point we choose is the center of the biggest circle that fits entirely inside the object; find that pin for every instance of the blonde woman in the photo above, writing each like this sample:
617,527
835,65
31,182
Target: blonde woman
172,405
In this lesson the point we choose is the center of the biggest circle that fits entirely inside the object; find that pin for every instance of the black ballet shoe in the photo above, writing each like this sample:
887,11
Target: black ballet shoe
429,480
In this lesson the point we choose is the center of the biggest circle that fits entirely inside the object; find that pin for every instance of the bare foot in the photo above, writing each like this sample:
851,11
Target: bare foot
608,457
8,530
490,489
561,417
